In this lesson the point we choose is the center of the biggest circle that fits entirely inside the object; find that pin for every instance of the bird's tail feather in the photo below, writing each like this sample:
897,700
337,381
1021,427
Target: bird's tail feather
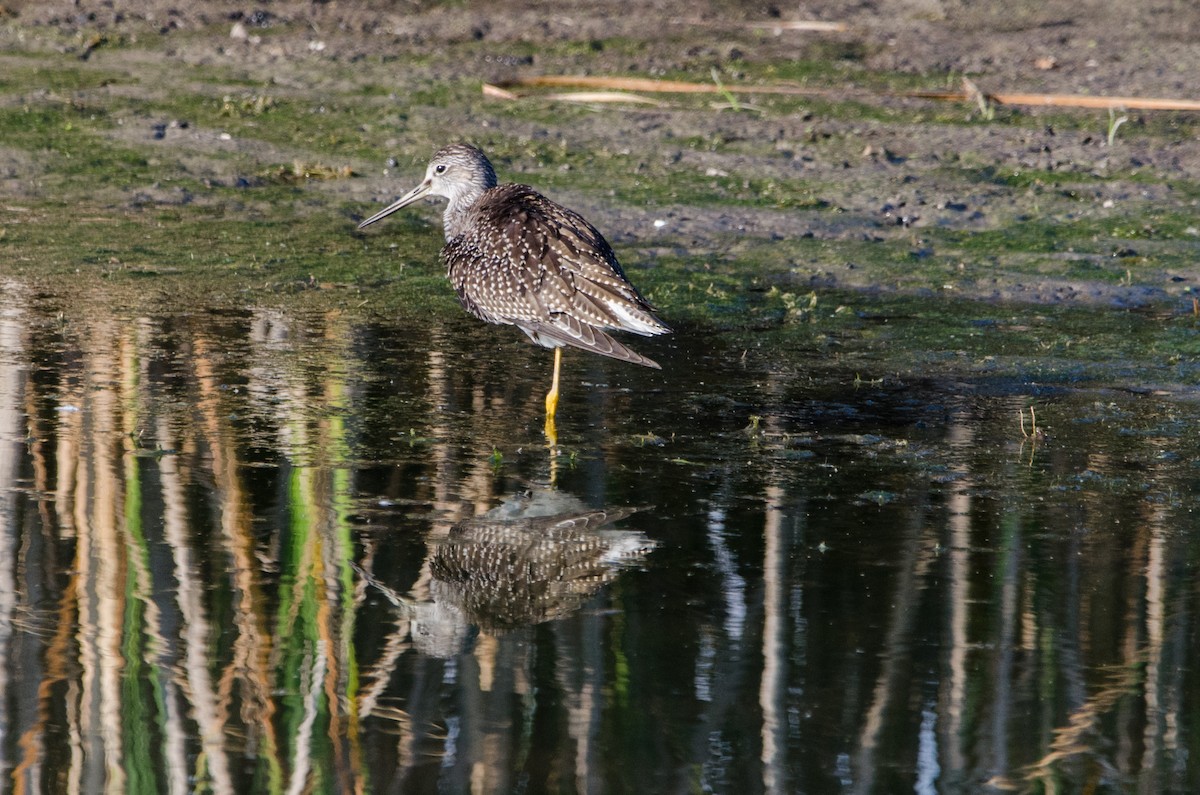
588,338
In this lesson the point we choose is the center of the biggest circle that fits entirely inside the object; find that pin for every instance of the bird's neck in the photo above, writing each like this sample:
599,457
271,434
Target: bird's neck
456,218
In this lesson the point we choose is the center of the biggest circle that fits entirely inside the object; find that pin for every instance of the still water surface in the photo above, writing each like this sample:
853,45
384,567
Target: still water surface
300,551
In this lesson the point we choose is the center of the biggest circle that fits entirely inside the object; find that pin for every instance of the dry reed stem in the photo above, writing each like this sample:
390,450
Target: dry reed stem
682,87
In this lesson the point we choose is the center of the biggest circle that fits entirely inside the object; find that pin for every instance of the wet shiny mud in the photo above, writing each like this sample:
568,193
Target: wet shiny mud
265,549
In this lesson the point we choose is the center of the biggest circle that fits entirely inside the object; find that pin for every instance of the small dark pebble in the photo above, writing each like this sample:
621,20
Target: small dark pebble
260,18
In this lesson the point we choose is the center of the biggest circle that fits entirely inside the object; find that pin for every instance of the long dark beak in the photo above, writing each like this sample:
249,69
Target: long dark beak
403,201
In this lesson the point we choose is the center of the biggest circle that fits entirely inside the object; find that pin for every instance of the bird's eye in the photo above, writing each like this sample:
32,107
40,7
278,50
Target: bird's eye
440,168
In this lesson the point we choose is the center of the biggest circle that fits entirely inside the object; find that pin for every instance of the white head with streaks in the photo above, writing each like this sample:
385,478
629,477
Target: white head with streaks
460,173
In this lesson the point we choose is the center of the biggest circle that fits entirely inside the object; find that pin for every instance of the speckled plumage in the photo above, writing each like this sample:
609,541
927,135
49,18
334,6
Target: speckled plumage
515,257
510,573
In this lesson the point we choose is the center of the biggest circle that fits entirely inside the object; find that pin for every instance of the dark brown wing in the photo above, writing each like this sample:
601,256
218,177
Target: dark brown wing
527,261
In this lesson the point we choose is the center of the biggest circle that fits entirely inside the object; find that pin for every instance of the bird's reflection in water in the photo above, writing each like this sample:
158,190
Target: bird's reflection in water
535,558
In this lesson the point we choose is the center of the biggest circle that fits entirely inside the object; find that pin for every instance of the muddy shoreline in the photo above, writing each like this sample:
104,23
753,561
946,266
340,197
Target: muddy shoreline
886,194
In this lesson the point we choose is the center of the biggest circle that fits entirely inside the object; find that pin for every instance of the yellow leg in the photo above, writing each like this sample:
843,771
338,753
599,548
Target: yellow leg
552,395
552,400
552,449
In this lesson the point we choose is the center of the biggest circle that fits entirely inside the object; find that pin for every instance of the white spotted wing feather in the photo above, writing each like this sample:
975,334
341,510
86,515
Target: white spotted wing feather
523,260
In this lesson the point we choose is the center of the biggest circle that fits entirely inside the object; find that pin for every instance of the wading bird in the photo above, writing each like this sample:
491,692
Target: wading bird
515,257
